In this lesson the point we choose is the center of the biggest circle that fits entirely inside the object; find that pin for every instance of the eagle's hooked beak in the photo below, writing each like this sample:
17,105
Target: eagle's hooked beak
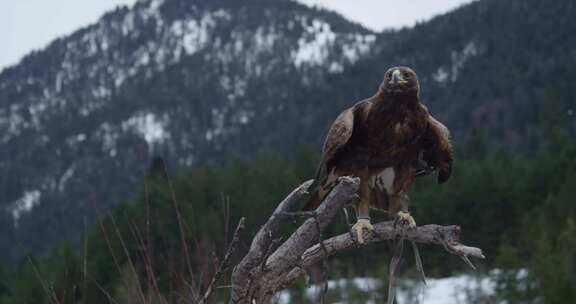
397,77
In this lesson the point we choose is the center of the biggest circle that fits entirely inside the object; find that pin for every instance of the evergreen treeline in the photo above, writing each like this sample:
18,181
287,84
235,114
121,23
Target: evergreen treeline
520,210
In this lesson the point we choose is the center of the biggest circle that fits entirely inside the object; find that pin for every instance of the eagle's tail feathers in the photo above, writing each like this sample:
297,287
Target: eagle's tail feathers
318,194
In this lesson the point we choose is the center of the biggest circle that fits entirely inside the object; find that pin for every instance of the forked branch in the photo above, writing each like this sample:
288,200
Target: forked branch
269,268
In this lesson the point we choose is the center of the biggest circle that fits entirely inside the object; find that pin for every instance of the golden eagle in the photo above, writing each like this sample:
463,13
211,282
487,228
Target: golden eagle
386,141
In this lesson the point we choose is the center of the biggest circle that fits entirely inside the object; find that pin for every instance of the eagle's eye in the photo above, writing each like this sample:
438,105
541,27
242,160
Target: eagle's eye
407,75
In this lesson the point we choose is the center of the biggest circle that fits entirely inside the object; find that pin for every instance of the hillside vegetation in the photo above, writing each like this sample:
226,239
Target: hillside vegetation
519,210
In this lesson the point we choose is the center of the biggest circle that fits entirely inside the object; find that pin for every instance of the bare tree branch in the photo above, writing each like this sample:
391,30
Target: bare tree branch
266,270
241,276
446,236
306,235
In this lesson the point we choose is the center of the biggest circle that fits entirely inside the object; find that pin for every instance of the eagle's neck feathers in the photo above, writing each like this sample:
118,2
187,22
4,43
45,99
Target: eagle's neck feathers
395,115
392,107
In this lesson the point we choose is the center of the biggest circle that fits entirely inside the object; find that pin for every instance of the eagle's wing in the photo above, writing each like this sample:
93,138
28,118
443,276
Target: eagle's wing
438,151
338,135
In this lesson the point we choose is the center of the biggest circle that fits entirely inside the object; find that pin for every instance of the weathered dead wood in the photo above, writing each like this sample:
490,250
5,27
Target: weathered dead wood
243,274
446,236
265,269
288,255
249,282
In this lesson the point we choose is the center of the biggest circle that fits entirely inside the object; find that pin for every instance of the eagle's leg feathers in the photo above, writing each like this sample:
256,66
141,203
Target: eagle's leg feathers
403,218
358,228
362,213
399,207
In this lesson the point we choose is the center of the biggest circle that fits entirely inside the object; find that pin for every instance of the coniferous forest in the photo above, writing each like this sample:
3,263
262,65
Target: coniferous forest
131,148
518,209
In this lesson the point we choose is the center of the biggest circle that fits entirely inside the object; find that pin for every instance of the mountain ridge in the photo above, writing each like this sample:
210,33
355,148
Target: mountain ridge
76,117
202,82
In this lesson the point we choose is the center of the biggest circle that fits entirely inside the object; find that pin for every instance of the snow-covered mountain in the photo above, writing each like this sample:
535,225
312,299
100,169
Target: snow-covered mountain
201,81
82,118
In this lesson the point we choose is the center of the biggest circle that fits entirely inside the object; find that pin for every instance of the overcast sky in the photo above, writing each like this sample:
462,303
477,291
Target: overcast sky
26,25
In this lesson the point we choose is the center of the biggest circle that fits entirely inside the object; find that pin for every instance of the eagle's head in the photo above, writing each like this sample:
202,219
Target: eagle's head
400,81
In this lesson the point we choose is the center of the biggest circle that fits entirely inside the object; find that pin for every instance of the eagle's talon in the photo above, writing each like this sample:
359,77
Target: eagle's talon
359,227
405,220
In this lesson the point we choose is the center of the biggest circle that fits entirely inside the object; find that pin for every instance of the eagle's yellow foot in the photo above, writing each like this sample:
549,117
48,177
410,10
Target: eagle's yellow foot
404,219
359,227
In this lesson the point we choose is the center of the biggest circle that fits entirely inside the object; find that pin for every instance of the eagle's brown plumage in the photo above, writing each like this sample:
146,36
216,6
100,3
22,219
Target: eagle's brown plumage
383,140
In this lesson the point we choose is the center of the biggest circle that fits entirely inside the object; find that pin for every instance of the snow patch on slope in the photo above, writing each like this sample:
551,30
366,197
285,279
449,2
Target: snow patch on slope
12,121
147,125
65,178
458,59
27,202
452,290
193,34
313,46
108,134
359,46
319,38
